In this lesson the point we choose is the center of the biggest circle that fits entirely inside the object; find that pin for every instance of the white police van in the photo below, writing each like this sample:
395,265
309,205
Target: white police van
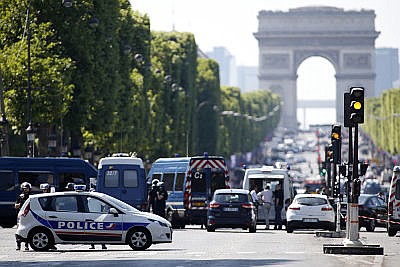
270,175
88,218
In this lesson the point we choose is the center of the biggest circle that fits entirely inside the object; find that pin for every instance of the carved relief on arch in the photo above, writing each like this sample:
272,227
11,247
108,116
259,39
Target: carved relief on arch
275,61
357,60
331,55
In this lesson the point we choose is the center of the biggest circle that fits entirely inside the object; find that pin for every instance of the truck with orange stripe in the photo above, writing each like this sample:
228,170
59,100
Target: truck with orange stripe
190,183
393,224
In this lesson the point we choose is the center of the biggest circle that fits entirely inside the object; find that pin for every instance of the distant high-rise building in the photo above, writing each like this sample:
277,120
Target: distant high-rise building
387,69
247,78
227,65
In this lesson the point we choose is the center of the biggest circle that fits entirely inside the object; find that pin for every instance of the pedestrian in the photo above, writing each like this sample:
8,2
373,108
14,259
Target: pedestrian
254,196
152,195
26,191
278,195
160,200
266,198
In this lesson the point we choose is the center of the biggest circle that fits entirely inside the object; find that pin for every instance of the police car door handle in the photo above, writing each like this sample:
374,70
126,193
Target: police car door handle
52,216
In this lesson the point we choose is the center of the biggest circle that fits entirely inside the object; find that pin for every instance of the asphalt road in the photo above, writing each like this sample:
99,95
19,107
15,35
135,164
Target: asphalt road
196,247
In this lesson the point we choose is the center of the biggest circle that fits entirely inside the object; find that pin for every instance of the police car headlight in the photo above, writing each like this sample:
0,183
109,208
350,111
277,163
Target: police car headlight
160,223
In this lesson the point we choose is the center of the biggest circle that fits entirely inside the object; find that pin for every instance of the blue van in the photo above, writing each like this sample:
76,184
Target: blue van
58,172
190,183
124,178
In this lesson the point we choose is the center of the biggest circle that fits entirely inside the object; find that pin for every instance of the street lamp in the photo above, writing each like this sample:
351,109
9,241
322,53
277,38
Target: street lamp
67,3
30,132
3,135
30,137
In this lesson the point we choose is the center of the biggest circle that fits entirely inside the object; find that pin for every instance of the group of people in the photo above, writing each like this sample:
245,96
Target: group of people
266,198
157,198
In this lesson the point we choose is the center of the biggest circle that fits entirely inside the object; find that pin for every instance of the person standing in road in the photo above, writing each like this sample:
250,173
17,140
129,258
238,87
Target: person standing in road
152,195
26,191
160,200
254,197
278,195
266,198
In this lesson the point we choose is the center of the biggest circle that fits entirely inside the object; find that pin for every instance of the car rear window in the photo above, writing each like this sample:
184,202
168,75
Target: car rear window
311,201
229,197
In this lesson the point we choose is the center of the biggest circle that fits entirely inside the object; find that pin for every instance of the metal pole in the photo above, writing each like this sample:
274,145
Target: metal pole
349,180
352,218
30,144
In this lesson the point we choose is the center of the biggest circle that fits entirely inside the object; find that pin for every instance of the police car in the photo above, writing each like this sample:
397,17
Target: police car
79,217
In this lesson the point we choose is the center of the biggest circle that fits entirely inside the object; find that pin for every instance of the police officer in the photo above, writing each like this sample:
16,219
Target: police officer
26,190
45,188
153,194
160,200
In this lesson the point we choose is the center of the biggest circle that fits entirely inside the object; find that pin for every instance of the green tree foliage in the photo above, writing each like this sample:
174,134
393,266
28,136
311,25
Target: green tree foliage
382,120
103,81
207,107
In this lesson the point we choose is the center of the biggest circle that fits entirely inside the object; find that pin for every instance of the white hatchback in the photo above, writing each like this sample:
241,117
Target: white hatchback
88,218
310,211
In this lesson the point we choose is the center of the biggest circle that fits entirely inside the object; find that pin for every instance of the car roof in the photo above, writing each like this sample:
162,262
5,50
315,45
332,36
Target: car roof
67,193
311,195
232,191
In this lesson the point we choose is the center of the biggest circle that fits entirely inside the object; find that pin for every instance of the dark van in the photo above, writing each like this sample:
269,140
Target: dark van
58,172
123,177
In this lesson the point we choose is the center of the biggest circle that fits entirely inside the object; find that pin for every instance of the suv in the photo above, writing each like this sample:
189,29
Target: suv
231,208
88,218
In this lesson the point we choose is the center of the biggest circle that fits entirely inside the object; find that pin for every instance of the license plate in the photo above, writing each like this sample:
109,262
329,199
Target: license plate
231,209
310,220
198,204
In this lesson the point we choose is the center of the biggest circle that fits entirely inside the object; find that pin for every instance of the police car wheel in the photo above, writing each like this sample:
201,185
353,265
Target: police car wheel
139,239
41,240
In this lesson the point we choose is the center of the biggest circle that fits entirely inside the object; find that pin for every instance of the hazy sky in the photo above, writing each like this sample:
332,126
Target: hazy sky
231,24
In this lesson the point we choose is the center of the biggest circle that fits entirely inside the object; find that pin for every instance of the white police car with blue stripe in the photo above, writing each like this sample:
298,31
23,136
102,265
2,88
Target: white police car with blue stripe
88,218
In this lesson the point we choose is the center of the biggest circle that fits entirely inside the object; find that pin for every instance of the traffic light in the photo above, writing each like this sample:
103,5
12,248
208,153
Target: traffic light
347,112
357,104
336,139
356,187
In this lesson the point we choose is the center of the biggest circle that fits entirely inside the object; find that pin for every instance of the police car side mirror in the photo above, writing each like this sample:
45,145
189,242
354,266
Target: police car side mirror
113,211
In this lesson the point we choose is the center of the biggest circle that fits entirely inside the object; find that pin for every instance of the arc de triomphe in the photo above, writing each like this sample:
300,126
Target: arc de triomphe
286,39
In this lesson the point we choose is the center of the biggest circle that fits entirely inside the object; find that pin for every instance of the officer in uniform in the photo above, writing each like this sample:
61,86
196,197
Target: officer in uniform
45,188
160,200
26,190
153,194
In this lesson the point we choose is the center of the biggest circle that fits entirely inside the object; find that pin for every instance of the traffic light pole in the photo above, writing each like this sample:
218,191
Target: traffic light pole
352,233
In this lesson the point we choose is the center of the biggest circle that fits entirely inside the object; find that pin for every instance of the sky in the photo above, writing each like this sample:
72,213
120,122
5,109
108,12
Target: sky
231,24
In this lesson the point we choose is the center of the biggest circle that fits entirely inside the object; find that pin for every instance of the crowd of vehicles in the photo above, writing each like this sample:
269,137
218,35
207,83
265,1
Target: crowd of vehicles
199,192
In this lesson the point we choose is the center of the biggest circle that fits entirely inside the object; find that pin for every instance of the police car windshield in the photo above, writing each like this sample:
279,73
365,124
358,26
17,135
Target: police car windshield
122,205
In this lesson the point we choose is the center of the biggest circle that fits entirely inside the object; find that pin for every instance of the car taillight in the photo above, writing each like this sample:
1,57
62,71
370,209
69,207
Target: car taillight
294,208
326,208
26,210
247,206
213,205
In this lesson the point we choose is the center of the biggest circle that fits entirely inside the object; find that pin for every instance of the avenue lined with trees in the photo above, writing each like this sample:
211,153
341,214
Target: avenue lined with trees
102,82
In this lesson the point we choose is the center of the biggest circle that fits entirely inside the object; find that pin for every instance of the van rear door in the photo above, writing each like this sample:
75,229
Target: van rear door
124,182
